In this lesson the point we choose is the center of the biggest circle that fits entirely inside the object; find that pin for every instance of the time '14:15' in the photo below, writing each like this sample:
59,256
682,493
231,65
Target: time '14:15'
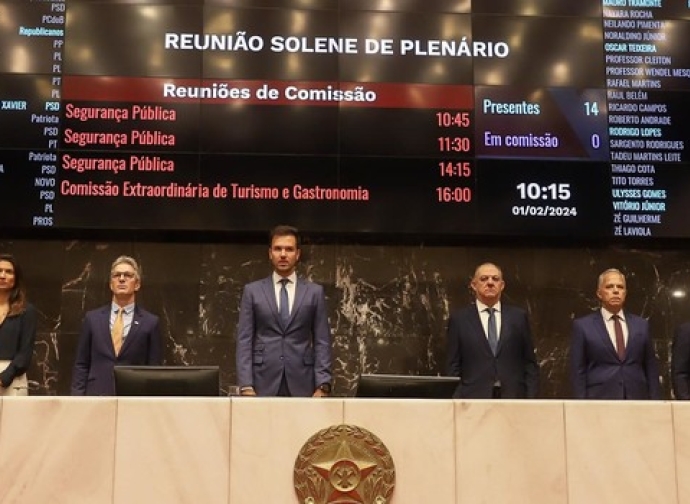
455,168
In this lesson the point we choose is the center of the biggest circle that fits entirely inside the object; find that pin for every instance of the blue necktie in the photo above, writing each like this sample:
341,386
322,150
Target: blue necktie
284,301
493,333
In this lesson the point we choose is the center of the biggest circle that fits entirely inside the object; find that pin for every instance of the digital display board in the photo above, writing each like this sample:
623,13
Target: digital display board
493,118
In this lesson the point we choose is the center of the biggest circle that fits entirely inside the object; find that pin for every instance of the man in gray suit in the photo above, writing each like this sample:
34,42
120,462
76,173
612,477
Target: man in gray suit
611,351
490,344
283,336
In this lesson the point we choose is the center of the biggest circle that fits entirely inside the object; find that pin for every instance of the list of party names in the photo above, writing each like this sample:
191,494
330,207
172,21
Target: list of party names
30,108
644,81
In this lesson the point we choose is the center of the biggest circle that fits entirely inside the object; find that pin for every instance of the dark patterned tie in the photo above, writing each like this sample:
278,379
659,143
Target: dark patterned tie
284,301
620,342
492,332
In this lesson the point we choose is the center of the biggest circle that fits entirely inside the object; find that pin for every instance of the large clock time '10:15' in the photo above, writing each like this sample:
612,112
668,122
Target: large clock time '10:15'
535,191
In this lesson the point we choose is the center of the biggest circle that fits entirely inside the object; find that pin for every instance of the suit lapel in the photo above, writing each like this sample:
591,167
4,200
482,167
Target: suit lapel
478,329
631,335
300,294
105,327
270,294
133,330
603,333
503,332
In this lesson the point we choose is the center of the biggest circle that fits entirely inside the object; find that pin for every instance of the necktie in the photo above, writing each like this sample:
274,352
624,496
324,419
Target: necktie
620,342
284,301
118,330
492,332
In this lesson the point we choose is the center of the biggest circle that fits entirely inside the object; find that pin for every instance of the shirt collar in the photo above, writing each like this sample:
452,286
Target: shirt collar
481,306
127,309
277,278
607,314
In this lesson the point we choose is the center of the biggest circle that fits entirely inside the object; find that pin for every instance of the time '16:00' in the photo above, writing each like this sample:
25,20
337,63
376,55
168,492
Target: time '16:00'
454,194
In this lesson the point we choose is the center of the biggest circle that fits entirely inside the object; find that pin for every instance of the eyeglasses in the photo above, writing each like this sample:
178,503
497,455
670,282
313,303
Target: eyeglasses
117,274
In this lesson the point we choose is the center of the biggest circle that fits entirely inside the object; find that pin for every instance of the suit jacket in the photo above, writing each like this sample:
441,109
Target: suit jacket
267,349
680,362
17,336
95,360
470,356
596,370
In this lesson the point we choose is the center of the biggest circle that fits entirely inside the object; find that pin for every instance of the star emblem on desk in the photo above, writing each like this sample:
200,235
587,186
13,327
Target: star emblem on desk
344,464
345,474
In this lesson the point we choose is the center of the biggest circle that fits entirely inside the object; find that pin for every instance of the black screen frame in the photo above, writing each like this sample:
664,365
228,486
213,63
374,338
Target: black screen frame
174,381
392,386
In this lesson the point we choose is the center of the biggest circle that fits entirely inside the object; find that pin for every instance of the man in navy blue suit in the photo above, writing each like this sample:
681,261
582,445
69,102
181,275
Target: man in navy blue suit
680,362
120,333
490,344
611,351
283,336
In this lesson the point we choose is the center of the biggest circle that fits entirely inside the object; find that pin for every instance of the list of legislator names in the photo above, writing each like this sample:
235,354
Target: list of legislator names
647,80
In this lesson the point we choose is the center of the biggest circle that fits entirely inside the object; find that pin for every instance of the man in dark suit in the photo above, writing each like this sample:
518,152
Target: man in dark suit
283,336
611,351
490,344
120,333
680,362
